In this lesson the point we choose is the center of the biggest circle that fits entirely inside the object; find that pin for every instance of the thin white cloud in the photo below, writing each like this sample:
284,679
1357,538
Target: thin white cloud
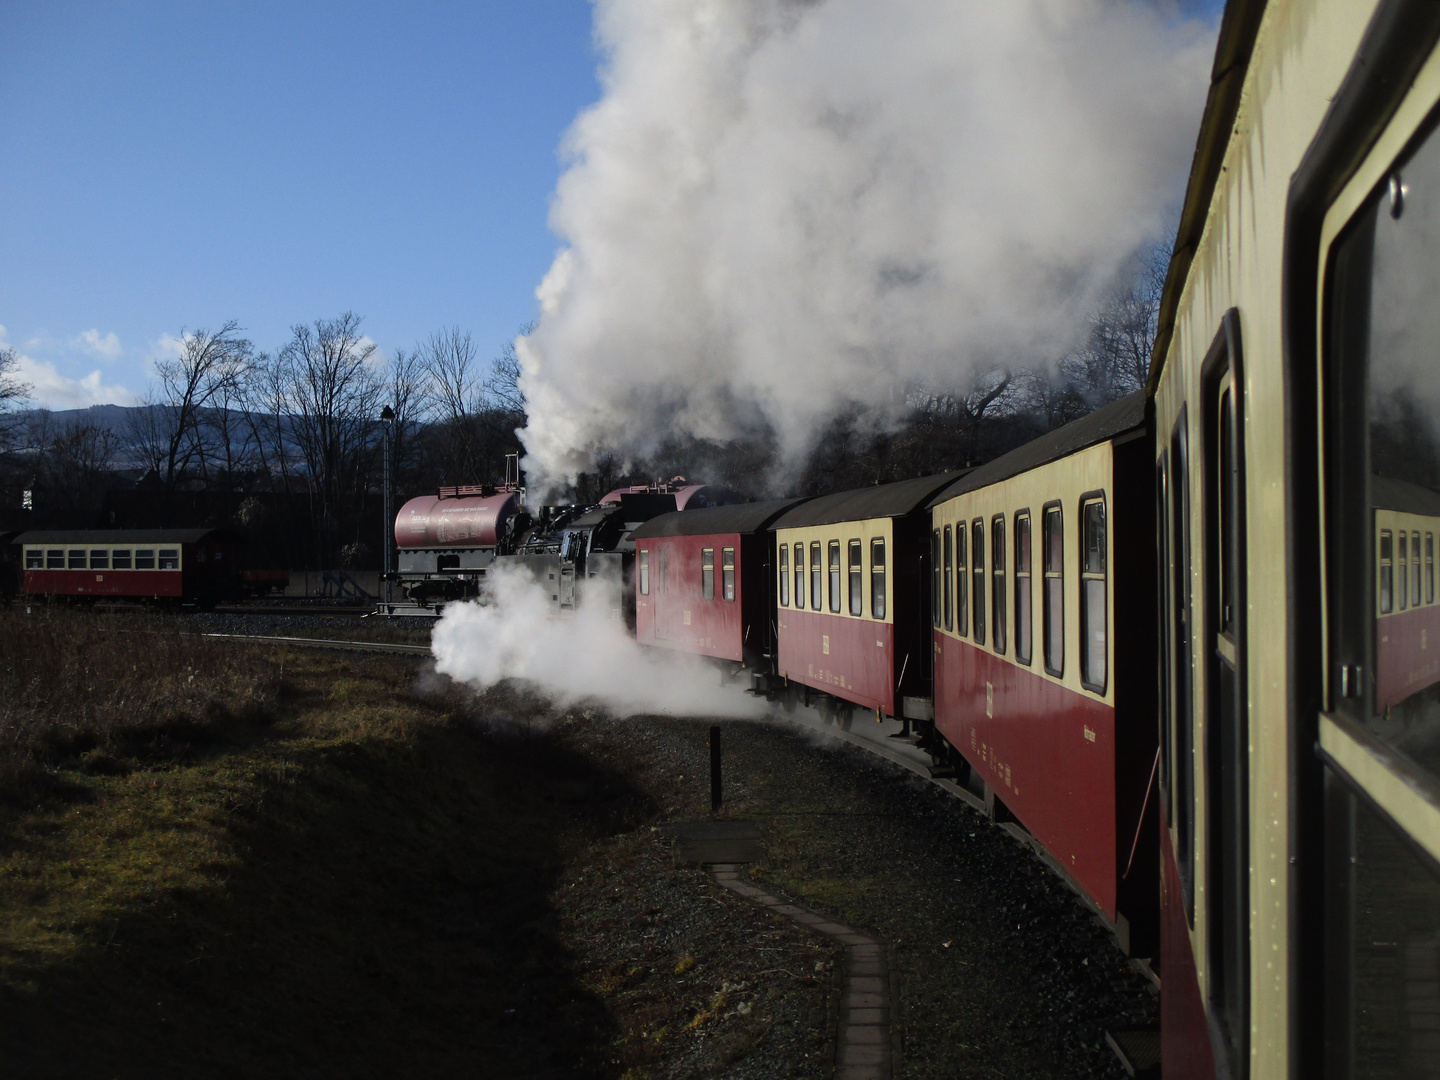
50,389
106,347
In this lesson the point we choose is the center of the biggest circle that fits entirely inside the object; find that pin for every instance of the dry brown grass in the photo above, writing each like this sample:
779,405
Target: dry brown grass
98,693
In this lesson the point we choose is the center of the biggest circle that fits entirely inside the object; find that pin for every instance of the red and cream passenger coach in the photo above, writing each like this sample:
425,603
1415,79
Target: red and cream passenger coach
1043,608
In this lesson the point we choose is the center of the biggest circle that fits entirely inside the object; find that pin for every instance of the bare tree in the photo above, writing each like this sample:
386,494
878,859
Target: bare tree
13,392
207,368
325,381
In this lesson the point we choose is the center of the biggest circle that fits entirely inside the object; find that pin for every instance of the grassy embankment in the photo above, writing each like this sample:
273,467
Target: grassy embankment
226,860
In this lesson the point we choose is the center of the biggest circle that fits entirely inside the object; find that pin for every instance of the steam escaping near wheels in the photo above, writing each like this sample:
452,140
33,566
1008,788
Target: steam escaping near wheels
586,656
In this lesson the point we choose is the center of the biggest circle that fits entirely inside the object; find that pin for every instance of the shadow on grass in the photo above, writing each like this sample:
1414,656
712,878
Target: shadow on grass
391,918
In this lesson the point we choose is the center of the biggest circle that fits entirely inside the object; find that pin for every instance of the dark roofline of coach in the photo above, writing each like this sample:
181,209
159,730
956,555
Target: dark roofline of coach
881,501
716,520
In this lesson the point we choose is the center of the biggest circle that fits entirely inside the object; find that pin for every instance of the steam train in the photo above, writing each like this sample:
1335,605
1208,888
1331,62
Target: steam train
1185,641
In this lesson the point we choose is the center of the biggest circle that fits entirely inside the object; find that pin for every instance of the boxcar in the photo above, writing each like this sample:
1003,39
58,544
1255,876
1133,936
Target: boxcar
852,603
1042,589
198,566
702,581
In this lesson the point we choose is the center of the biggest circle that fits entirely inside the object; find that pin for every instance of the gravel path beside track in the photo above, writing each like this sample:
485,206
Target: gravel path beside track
999,970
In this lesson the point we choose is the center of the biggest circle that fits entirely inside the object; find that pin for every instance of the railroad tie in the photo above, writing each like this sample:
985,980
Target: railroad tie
863,1048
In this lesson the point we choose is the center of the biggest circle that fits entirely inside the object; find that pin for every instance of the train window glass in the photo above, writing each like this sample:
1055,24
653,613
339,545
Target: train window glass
169,559
784,552
877,579
34,558
1183,670
644,571
856,573
145,559
947,589
977,577
1022,587
815,576
76,560
99,558
1053,603
834,553
1402,561
1414,569
962,586
799,575
1093,658
1387,571
935,578
997,573
727,572
1429,568
120,559
707,573
54,559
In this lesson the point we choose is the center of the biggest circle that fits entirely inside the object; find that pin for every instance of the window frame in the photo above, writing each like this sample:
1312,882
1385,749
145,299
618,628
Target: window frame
1093,498
782,553
979,583
833,571
643,560
707,573
962,580
817,600
1024,608
1000,598
727,574
948,584
855,575
1053,509
877,579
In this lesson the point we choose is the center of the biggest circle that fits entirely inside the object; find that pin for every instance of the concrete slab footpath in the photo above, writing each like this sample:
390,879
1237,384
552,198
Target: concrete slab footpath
864,1045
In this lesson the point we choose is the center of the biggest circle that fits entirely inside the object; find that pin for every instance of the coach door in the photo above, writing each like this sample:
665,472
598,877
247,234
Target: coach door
1227,831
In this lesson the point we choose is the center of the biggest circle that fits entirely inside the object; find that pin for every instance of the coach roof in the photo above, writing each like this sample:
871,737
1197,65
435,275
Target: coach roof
881,501
716,520
122,536
1103,424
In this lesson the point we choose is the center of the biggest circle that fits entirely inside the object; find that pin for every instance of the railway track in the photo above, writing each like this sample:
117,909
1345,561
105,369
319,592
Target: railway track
327,643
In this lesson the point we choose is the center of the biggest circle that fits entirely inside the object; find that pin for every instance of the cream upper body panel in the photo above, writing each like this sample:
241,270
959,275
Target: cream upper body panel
867,531
1065,481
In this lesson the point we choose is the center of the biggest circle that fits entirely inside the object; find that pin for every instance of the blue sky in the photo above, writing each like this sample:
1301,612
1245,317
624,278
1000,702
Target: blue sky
174,165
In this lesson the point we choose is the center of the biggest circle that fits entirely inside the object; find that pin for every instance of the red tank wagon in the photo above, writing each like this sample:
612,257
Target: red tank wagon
1042,603
702,581
853,614
196,566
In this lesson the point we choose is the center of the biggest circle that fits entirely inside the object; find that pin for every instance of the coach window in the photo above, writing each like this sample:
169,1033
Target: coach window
1402,562
644,571
799,575
1022,587
1429,568
962,585
857,579
76,559
997,573
145,559
1387,571
834,554
877,579
169,558
816,573
34,558
707,573
784,552
99,558
1053,603
54,559
120,560
1414,569
727,572
935,578
977,578
1092,597
949,586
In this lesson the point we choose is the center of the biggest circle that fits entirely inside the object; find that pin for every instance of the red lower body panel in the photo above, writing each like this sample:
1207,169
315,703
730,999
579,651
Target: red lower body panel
1405,661
104,582
1185,1052
852,658
1047,751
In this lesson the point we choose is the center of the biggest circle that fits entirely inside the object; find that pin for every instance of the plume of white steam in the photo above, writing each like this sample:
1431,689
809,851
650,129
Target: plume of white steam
779,207
585,657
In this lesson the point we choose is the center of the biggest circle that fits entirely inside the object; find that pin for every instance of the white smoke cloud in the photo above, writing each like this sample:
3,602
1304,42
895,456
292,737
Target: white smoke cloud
587,657
779,206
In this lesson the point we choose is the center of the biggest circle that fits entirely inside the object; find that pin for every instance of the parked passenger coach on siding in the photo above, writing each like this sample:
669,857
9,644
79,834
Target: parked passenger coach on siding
193,566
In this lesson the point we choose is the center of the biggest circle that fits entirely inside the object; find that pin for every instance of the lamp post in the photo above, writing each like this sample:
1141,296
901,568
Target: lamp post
387,418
